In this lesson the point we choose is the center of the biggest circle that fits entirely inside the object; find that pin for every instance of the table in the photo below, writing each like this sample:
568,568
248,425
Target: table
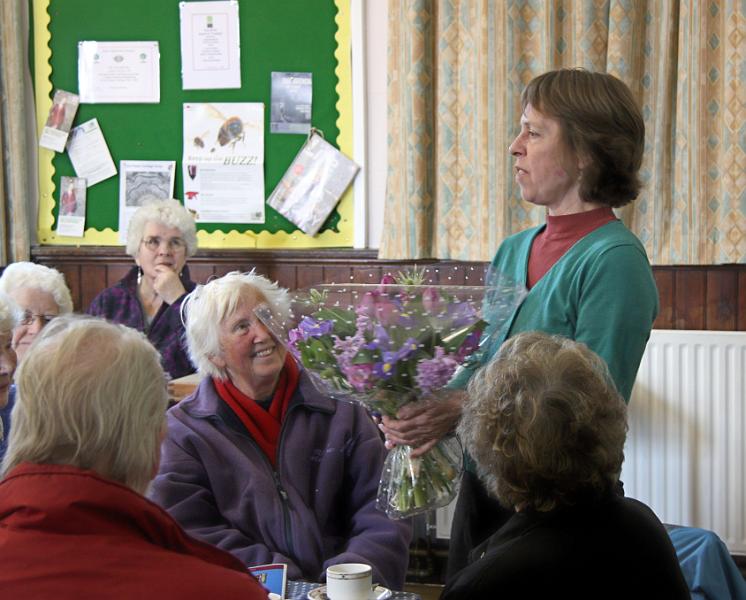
298,590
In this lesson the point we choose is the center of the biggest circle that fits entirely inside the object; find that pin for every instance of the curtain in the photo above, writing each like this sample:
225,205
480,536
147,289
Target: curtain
456,71
17,154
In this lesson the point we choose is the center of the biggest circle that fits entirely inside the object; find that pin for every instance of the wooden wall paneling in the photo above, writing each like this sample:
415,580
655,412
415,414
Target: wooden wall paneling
664,281
720,300
307,276
741,301
337,274
223,268
201,273
283,274
116,272
92,281
72,279
689,299
368,275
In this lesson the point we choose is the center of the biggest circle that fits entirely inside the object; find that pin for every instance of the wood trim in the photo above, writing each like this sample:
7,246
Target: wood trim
706,297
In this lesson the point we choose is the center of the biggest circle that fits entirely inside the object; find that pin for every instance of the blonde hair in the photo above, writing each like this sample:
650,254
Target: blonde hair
38,277
169,213
544,423
90,394
209,305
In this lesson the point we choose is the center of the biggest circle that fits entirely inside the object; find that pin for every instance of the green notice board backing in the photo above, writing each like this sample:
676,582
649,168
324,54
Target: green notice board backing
275,35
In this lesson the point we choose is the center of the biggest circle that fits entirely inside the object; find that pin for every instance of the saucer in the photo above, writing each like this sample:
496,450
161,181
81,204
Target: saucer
377,593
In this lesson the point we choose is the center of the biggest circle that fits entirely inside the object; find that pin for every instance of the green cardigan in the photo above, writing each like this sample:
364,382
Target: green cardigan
600,292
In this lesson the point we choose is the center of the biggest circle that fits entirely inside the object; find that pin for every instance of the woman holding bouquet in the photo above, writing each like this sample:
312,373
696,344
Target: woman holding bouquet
578,154
261,464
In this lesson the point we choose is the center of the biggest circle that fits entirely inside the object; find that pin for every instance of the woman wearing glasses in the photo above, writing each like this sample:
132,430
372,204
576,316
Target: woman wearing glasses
161,236
39,294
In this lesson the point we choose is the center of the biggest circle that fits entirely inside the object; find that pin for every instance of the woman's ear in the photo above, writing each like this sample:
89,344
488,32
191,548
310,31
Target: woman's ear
218,361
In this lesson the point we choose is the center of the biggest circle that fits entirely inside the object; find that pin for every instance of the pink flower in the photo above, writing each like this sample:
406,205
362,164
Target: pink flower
431,301
359,376
379,306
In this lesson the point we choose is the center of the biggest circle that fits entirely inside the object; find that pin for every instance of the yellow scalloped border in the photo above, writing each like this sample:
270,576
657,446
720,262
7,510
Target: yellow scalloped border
217,239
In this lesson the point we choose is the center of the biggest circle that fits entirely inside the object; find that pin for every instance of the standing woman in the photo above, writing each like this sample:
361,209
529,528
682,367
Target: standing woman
161,236
578,155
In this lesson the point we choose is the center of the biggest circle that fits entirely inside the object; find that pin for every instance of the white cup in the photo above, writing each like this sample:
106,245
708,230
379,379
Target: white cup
349,581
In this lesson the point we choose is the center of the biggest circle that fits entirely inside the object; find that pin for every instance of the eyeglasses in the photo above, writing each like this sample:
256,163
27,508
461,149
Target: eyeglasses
174,244
29,317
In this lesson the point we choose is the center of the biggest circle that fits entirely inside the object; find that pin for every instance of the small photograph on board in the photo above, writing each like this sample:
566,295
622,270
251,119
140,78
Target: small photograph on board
141,181
71,217
291,102
59,121
313,184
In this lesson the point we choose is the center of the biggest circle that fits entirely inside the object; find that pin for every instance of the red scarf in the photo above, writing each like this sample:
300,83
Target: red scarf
263,425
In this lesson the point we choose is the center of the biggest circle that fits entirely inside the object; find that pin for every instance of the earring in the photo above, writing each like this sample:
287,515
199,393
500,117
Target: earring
139,275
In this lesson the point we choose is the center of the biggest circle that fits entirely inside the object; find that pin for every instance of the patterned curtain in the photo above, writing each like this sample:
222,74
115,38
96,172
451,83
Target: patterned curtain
17,155
456,71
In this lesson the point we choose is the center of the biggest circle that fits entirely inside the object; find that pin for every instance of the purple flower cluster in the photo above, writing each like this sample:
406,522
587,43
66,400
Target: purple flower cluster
434,373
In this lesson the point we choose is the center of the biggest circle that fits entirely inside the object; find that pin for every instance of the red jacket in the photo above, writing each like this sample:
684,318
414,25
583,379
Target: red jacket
69,533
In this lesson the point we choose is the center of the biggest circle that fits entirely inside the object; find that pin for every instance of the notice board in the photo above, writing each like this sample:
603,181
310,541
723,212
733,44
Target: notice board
287,35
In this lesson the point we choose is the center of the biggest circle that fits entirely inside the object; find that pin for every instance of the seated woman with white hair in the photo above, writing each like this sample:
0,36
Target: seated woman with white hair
88,423
40,294
260,463
546,427
160,237
8,320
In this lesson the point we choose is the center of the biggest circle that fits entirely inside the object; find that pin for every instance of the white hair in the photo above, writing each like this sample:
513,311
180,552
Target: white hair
90,394
209,305
169,213
10,314
38,277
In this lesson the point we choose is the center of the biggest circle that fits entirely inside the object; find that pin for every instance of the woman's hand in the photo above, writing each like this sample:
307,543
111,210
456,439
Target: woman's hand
167,284
423,424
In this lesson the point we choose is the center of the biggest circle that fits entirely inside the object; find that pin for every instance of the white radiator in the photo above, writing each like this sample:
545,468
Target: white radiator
686,447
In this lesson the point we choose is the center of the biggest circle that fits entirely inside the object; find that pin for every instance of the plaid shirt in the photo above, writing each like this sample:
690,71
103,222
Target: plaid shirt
120,304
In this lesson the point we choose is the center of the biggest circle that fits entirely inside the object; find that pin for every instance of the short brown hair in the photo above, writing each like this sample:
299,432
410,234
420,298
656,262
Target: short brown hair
544,423
600,120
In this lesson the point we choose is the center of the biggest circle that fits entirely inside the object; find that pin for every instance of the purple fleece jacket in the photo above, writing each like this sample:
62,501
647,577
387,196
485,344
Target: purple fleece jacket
317,509
119,304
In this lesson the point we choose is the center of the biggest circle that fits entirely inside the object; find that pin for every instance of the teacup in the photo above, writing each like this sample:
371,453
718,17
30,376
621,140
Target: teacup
349,581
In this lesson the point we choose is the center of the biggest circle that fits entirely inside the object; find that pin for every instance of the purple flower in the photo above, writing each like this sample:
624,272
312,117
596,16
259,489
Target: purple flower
468,346
309,327
388,280
436,372
462,313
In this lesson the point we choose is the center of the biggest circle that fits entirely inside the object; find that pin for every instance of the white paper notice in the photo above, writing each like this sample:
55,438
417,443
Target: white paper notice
210,45
71,217
119,72
90,154
223,163
139,182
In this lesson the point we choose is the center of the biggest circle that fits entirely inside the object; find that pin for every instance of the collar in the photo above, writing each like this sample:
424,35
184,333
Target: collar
205,401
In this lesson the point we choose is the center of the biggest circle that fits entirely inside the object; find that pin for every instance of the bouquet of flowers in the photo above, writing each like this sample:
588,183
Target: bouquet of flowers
386,345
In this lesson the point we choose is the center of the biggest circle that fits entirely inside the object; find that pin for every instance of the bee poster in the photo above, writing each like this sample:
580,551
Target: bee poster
223,164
